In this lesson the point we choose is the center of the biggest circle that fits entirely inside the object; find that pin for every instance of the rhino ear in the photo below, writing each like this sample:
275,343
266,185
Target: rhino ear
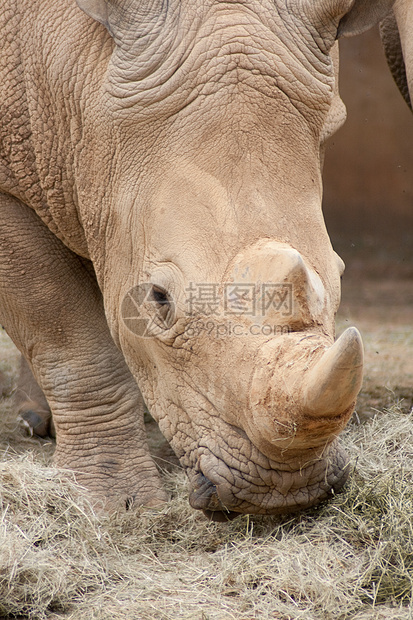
121,17
390,37
363,14
97,9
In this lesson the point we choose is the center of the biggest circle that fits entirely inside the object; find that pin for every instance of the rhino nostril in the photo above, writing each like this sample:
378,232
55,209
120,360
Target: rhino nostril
203,494
129,503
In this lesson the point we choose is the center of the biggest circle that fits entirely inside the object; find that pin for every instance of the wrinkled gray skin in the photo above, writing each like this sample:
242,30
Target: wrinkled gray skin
168,144
397,37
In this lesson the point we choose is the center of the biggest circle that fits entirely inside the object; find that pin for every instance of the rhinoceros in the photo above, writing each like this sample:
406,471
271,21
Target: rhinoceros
161,227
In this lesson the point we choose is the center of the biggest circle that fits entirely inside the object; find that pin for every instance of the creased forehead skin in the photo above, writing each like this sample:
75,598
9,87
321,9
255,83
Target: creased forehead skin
261,45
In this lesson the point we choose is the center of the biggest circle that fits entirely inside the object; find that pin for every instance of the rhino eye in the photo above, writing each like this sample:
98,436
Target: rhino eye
161,298
160,295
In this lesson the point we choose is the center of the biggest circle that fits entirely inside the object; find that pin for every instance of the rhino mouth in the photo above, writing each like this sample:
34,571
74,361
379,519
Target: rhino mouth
220,516
223,493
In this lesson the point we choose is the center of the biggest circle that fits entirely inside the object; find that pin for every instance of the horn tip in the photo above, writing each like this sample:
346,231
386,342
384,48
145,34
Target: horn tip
350,346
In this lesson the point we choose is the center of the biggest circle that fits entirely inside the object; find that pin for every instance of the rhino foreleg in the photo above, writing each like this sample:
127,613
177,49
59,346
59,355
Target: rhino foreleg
51,306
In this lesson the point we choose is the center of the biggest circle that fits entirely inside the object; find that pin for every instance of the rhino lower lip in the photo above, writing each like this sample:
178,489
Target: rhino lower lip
207,496
204,497
220,516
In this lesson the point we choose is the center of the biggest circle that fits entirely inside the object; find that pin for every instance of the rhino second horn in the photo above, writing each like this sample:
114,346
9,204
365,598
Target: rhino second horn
334,382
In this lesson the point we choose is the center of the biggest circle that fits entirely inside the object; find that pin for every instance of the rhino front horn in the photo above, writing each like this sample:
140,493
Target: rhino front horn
332,385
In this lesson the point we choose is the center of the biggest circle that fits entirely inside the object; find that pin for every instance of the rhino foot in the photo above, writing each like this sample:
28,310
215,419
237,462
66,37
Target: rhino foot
38,423
32,408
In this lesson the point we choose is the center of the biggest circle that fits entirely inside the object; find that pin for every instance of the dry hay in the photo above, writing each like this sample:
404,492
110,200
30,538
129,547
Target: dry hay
351,558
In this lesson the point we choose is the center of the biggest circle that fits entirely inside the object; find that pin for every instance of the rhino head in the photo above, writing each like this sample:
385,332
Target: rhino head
219,279
245,379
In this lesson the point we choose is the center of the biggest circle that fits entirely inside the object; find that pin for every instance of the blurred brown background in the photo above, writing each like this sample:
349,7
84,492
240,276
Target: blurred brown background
368,179
368,206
